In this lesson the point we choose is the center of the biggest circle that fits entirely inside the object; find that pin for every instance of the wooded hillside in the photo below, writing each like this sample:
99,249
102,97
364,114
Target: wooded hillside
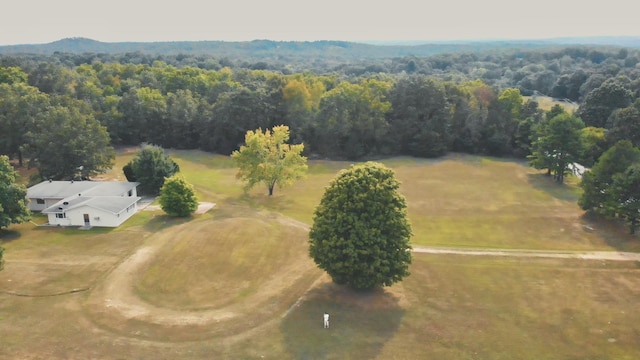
378,102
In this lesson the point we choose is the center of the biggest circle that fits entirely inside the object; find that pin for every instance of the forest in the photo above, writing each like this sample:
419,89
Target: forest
65,111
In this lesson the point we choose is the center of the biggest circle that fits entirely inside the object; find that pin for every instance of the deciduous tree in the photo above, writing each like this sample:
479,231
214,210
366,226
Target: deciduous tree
624,124
602,101
234,113
267,158
557,145
150,167
20,107
13,201
594,143
177,197
597,182
67,143
625,196
420,117
11,75
360,233
351,119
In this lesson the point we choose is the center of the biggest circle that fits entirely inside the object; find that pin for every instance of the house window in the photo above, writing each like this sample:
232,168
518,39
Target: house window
40,201
61,216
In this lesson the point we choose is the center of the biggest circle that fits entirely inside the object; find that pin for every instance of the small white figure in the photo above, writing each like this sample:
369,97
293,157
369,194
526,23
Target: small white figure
326,320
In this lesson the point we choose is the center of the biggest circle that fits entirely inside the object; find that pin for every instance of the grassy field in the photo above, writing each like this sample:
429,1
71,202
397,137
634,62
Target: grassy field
237,282
546,103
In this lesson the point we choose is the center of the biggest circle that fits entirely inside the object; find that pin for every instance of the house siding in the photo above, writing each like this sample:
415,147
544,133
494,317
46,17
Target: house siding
107,204
34,206
97,217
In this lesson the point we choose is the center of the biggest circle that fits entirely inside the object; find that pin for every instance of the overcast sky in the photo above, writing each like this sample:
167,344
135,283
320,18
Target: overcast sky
43,21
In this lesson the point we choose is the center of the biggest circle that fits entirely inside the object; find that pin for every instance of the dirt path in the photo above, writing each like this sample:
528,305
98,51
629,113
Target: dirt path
117,292
119,295
585,255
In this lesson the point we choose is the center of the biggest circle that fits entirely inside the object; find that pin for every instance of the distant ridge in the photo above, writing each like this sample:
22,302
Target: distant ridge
322,48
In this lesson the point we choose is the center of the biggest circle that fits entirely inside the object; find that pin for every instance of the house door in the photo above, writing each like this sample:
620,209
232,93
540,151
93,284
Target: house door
86,219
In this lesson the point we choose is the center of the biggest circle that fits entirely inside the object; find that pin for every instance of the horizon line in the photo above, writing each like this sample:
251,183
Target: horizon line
371,41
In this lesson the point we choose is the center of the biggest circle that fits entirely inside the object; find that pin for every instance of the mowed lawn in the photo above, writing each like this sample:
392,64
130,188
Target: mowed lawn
244,258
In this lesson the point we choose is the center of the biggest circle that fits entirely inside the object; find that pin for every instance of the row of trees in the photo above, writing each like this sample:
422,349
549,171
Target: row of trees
569,72
212,110
65,120
611,184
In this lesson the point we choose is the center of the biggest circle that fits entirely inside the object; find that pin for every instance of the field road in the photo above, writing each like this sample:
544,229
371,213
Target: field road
558,254
585,255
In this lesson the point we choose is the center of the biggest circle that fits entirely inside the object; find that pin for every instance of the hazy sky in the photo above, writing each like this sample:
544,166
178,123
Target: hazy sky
43,21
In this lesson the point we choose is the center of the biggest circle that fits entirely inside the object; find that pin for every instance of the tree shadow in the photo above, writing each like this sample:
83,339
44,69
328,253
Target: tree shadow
7,236
361,323
550,186
613,232
160,222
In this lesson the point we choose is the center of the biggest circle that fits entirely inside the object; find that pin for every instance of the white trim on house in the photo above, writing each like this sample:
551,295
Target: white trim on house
84,203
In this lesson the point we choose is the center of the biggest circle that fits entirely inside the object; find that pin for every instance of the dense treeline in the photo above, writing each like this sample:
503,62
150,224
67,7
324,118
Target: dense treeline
64,113
553,70
414,106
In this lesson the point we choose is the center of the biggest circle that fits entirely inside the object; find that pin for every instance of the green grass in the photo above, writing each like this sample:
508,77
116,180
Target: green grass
239,257
546,103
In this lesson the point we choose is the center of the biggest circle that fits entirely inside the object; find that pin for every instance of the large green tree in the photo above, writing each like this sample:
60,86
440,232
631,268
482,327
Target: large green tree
150,167
557,145
143,119
624,124
12,75
267,158
498,131
469,104
20,109
360,233
602,101
420,117
594,143
177,197
625,196
13,196
351,119
597,183
67,143
234,113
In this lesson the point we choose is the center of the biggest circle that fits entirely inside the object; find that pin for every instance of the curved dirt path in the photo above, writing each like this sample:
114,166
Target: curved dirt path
119,295
116,291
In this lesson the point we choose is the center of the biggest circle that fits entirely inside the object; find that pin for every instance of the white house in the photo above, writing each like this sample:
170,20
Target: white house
84,203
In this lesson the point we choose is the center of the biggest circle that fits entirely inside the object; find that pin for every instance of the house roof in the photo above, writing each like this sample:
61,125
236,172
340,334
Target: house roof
63,189
112,204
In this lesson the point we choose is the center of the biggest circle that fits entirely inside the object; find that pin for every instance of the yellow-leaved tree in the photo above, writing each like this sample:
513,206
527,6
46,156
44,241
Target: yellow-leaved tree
267,158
